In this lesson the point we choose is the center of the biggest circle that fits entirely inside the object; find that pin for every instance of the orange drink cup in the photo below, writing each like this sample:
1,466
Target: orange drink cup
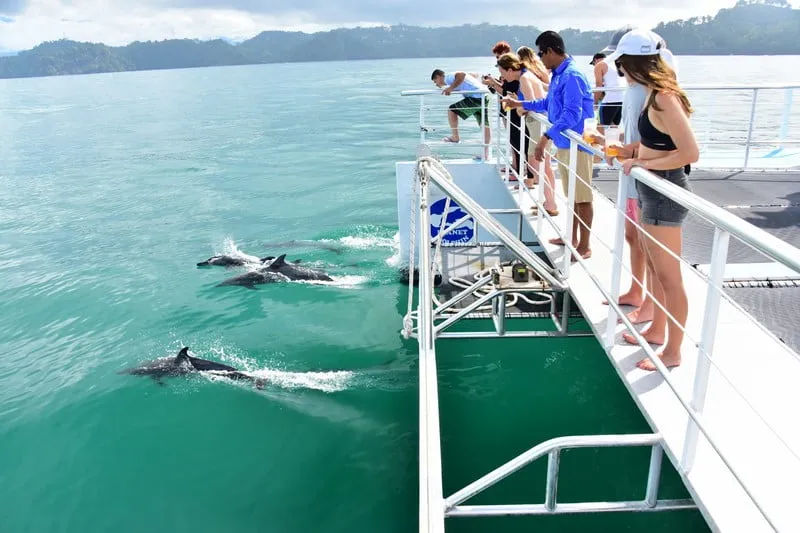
612,150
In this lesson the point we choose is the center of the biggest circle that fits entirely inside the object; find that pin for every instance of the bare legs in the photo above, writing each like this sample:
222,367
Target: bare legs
452,119
668,289
549,181
550,185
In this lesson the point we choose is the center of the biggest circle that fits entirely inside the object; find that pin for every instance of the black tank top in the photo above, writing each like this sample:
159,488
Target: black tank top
652,137
656,139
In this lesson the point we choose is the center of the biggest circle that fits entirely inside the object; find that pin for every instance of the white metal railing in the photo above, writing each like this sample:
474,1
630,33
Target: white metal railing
725,225
433,507
553,448
716,118
424,128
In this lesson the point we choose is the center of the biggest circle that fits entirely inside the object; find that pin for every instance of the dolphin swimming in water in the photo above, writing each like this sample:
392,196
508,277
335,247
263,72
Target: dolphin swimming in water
276,271
229,261
294,272
260,276
183,364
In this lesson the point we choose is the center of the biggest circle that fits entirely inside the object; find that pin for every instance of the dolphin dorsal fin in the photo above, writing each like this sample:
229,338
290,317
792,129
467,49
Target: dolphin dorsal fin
278,262
183,355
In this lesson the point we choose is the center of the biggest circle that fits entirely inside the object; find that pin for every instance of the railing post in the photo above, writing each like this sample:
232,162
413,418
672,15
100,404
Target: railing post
422,119
498,121
787,113
571,214
551,489
522,167
507,136
540,195
619,247
750,128
431,498
705,349
654,476
487,144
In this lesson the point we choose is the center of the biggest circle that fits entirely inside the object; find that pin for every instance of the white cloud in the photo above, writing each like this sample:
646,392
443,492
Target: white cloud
117,22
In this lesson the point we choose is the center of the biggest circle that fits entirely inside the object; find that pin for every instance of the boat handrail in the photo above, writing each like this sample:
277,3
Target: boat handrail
686,87
715,87
755,237
423,92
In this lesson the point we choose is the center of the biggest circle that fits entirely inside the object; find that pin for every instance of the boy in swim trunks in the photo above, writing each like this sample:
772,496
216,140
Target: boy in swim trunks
473,104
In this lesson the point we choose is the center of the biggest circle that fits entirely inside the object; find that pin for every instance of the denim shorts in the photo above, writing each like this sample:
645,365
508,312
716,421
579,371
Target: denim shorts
657,209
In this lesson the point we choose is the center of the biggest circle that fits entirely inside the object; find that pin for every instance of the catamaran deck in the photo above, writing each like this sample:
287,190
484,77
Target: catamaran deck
726,416
760,436
768,200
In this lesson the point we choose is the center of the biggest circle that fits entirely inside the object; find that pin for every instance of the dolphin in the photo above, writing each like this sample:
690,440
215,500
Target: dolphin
276,271
183,364
294,272
259,276
229,261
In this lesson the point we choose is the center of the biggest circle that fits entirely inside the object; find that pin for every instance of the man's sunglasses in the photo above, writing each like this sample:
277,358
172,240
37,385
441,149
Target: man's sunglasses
541,53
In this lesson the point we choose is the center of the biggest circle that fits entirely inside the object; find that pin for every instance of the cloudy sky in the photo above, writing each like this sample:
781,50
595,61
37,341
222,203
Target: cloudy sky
25,23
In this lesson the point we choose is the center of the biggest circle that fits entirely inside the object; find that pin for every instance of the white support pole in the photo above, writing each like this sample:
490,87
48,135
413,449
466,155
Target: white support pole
571,214
619,249
787,114
750,127
705,349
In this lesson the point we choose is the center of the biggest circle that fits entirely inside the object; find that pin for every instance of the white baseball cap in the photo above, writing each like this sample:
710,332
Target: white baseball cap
638,42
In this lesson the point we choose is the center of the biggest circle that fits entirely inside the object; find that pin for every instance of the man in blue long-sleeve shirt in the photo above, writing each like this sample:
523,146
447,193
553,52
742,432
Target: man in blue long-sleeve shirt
567,104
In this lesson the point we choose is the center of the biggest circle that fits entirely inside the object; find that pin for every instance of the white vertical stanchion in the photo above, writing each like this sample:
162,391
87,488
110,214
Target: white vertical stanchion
571,214
619,247
705,349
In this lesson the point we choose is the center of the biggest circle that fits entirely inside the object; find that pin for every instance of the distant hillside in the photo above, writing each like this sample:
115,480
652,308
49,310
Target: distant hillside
752,27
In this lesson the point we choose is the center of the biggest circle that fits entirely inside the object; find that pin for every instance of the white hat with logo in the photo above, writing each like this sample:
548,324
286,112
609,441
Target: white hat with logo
638,42
641,42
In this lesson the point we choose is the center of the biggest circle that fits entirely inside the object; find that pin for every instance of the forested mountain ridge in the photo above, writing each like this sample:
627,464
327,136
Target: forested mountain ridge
751,27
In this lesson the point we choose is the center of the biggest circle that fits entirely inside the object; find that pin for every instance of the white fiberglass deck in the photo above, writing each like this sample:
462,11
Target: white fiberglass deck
758,365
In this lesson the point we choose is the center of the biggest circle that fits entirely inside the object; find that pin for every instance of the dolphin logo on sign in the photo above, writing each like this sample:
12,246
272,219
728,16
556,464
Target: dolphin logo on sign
463,233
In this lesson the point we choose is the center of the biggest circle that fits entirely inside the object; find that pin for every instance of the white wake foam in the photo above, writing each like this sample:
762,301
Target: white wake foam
394,260
332,381
365,242
229,248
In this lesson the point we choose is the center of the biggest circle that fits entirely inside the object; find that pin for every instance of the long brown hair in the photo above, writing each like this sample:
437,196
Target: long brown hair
532,62
654,73
509,62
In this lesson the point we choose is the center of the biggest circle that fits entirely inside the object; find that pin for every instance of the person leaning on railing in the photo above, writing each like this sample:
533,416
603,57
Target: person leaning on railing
667,148
568,103
540,80
505,86
473,104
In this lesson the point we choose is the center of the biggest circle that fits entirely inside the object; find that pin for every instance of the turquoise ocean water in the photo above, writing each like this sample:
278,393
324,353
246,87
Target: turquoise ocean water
114,186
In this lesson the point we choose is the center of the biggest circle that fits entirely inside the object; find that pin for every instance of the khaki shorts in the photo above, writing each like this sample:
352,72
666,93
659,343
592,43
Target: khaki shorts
583,169
535,131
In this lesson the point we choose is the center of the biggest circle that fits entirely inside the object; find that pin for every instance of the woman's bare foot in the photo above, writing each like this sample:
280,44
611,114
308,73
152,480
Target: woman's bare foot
629,298
670,361
641,315
529,183
558,242
585,254
652,337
